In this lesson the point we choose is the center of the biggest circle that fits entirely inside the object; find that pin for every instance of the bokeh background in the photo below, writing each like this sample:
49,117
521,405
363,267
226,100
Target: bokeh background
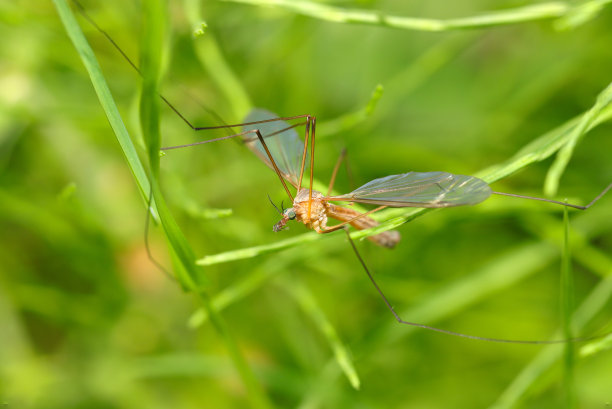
86,319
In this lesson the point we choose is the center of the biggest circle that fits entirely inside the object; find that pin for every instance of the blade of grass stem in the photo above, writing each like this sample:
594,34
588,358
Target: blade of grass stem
311,308
211,58
530,13
106,99
593,304
350,120
555,172
580,14
598,346
258,398
567,310
183,256
242,288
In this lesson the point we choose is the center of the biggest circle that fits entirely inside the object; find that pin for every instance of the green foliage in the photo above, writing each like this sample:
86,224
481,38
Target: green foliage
290,319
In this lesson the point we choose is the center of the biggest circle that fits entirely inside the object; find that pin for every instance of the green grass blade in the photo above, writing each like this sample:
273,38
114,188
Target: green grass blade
250,252
105,97
351,119
581,14
567,310
596,347
311,308
151,44
242,288
541,148
182,253
594,303
537,12
211,57
565,154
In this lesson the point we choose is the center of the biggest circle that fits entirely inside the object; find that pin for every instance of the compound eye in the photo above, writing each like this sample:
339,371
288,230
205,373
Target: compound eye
290,213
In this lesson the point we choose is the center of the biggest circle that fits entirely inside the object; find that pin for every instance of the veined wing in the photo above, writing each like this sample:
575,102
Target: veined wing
281,139
413,189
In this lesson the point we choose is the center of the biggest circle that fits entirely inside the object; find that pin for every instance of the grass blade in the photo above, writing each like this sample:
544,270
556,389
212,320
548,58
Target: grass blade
104,96
310,306
183,256
211,58
537,12
593,304
567,311
565,154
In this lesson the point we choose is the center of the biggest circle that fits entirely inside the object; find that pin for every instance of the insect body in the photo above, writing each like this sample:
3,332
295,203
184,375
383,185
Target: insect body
311,207
321,209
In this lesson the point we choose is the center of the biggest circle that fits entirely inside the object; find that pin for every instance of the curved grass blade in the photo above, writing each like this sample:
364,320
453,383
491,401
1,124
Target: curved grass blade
309,305
183,256
536,12
567,311
565,154
211,58
181,253
594,302
106,99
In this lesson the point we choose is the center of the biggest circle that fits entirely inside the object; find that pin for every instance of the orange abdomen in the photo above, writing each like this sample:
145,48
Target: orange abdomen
386,239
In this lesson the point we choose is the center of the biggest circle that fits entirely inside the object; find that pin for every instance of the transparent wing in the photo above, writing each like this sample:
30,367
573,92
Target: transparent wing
413,189
282,141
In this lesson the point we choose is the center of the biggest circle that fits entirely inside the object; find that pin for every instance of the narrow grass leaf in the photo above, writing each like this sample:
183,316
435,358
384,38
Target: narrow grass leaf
311,308
565,154
594,303
106,99
596,347
240,289
350,120
211,57
581,14
536,12
567,310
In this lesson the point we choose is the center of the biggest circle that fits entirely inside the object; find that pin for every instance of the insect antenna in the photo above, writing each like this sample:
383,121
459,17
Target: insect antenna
454,333
277,209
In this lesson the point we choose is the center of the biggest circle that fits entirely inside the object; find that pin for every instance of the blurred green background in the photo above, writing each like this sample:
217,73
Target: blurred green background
87,321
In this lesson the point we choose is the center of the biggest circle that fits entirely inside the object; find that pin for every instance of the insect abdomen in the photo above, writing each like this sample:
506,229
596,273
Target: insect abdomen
385,239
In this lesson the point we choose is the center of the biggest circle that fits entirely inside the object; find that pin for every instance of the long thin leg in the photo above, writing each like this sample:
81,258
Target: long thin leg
238,134
278,173
261,139
599,196
86,16
335,172
312,152
447,332
306,138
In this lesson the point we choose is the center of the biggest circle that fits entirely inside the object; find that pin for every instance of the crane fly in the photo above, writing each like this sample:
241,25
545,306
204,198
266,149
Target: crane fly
412,189
278,145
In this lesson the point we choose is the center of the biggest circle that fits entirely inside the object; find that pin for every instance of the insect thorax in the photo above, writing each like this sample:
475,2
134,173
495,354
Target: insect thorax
318,209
